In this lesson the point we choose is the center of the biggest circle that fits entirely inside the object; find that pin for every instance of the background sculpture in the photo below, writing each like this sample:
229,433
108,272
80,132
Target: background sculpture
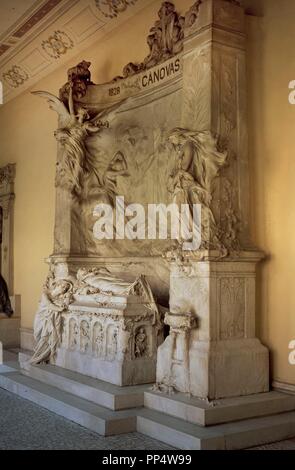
5,305
198,164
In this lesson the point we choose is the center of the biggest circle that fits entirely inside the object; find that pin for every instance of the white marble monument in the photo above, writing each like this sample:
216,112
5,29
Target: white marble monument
142,326
171,130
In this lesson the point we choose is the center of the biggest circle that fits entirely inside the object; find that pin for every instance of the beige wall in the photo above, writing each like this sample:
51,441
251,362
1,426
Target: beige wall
26,136
271,63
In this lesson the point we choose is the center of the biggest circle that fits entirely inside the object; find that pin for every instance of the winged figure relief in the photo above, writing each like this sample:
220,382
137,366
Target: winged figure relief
75,162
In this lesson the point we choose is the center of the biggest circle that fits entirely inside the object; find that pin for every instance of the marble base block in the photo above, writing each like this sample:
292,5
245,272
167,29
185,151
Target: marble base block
211,351
217,370
124,372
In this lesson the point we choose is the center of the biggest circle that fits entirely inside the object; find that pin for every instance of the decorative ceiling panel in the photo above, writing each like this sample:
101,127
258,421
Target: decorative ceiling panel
14,13
41,35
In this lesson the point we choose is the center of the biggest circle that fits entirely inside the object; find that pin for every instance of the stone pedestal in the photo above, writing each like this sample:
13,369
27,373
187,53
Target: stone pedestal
224,358
10,327
116,343
7,176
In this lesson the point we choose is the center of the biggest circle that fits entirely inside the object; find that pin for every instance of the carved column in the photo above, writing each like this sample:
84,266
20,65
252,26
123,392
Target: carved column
7,175
217,283
174,372
9,327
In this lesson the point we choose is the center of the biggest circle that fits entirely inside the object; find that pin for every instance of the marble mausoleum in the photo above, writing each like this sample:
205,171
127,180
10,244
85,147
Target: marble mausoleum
139,332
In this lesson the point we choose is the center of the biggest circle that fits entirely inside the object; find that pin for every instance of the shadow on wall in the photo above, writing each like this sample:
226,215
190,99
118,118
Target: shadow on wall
256,105
253,7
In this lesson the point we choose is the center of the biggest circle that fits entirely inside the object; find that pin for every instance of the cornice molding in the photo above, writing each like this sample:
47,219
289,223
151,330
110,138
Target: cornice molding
283,387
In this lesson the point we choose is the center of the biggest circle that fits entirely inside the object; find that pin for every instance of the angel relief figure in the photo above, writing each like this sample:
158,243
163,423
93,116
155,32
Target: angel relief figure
198,164
76,163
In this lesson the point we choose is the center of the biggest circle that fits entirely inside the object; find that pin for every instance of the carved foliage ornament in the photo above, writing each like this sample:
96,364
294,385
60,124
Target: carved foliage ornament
79,77
112,8
193,13
232,307
165,39
7,174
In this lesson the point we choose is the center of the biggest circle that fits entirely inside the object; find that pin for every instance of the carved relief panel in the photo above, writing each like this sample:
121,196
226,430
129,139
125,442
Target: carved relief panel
170,129
73,334
98,340
105,337
84,336
232,307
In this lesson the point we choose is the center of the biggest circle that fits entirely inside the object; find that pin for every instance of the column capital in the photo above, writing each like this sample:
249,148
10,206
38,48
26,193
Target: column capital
224,14
7,177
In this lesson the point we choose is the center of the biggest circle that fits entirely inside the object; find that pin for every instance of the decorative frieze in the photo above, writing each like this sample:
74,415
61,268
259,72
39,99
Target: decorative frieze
232,307
103,333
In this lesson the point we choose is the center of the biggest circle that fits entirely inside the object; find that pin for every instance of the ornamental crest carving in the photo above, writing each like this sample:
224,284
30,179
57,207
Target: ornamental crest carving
112,8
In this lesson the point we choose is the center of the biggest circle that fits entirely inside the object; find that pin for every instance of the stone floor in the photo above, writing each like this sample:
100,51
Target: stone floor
24,425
